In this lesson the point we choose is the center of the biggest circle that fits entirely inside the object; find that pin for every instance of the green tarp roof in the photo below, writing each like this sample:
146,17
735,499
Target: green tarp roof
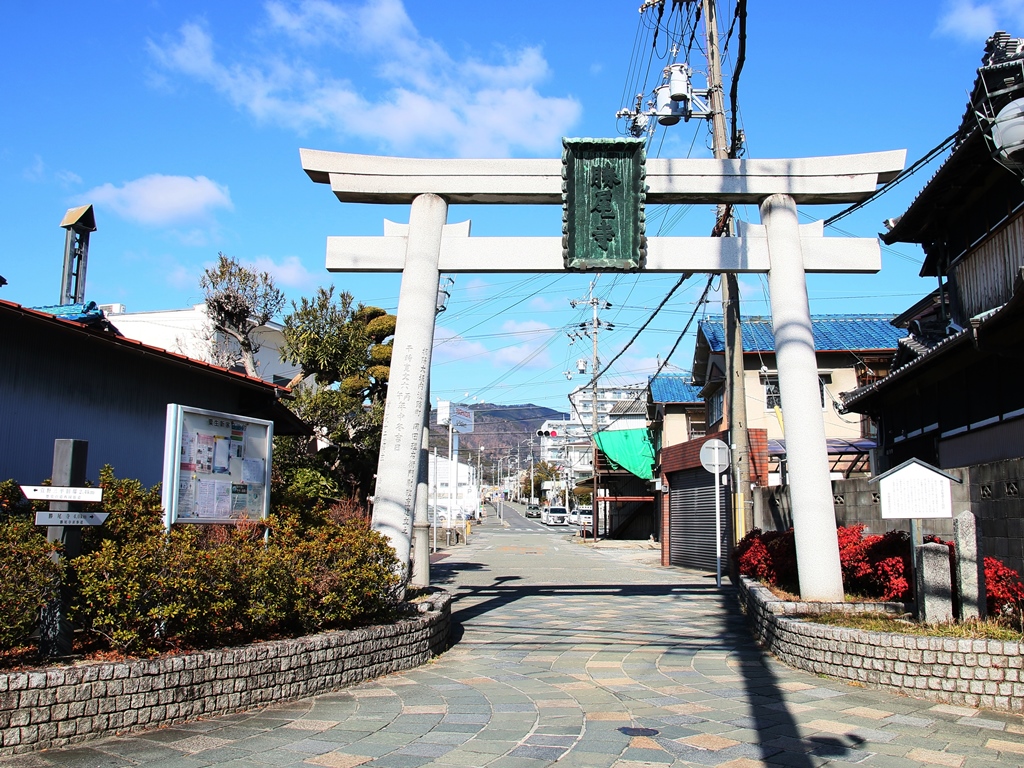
629,449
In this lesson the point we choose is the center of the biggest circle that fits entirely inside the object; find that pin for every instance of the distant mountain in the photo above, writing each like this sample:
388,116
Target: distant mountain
500,430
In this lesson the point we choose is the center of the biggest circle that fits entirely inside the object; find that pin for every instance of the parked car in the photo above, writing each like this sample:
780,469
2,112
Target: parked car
585,520
554,516
532,510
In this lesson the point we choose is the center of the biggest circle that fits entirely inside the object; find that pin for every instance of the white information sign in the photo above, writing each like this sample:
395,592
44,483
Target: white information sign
458,415
216,466
70,518
915,490
59,493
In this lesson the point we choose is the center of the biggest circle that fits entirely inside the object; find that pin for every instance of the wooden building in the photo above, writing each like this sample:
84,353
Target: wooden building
72,378
953,397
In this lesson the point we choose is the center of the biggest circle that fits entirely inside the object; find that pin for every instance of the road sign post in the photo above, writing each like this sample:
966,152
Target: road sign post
714,457
69,457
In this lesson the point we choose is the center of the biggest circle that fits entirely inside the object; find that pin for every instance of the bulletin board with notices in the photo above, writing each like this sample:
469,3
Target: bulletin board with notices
216,466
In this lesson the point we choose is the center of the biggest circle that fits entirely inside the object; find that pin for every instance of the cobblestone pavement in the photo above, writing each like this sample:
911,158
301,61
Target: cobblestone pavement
570,656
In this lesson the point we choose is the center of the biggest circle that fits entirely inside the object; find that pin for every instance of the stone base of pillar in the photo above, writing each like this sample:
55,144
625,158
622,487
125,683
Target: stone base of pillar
420,554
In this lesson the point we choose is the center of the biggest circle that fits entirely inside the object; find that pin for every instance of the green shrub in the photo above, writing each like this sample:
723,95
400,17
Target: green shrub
30,579
144,590
345,574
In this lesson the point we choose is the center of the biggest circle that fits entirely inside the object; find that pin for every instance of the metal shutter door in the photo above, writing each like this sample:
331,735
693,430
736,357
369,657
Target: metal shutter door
691,504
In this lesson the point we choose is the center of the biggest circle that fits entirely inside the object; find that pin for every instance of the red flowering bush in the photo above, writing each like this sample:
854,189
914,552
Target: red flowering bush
751,557
1003,590
889,555
853,555
874,567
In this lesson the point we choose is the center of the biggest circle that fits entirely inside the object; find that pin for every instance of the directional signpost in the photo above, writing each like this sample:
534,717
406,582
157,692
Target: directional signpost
714,457
63,526
62,494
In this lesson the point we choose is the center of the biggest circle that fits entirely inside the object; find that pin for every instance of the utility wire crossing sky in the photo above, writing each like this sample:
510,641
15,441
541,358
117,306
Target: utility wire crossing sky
181,124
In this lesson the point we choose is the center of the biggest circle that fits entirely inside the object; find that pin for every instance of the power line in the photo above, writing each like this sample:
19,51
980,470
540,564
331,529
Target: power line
945,144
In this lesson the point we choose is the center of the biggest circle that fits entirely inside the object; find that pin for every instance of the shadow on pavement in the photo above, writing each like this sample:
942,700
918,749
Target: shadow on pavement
770,714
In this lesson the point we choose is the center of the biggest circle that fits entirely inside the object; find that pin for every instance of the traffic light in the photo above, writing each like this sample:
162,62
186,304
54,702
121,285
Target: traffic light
547,433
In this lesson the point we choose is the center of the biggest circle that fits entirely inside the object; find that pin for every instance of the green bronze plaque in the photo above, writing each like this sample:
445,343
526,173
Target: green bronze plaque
603,183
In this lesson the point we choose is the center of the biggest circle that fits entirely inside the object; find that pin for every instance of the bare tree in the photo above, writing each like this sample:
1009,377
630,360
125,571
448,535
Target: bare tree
238,301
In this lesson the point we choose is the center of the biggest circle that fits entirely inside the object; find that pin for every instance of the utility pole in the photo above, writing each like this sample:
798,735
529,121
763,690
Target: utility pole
595,326
531,471
735,384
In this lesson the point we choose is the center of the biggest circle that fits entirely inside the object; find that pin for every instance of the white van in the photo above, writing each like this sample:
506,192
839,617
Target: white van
554,515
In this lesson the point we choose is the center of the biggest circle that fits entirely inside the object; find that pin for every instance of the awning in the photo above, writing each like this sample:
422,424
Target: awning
837,446
628,449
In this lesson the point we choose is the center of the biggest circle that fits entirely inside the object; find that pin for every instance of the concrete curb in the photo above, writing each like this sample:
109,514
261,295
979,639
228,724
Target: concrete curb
63,705
974,673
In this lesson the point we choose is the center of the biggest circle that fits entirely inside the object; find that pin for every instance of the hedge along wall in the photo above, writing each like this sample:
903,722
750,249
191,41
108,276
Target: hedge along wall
975,673
61,705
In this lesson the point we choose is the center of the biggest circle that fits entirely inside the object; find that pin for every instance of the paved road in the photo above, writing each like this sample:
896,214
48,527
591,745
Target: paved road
591,658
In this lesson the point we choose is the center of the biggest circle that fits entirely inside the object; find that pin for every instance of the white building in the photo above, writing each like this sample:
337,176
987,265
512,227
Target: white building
462,483
189,332
608,398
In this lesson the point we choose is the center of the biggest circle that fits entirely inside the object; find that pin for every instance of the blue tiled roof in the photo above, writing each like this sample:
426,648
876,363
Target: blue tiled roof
832,333
81,313
674,388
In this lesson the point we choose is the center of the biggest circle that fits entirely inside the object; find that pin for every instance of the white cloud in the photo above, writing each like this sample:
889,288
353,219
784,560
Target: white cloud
315,22
36,171
180,276
544,304
970,20
450,347
68,178
754,297
289,273
528,356
475,289
193,238
423,101
532,353
161,200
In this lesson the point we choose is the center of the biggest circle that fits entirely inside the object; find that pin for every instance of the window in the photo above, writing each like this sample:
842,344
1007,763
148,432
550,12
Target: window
773,398
715,406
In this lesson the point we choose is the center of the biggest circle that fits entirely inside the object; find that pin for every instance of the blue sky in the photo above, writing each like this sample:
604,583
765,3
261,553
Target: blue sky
181,122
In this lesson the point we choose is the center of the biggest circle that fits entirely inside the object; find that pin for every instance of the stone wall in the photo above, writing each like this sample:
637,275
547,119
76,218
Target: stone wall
993,492
856,500
975,673
61,705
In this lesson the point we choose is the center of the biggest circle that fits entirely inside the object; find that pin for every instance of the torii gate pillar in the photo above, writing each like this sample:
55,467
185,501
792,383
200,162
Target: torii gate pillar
401,440
810,488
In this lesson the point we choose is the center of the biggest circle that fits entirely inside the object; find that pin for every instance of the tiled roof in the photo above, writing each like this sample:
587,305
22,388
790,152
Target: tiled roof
674,388
832,333
632,407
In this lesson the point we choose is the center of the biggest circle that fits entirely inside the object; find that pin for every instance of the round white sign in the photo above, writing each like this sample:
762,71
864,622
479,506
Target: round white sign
714,456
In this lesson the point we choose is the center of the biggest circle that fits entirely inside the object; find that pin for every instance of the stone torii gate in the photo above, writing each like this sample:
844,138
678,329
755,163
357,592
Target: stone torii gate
779,246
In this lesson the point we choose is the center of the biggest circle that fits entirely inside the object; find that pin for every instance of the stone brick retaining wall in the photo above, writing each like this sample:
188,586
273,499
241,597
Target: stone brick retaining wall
975,673
60,705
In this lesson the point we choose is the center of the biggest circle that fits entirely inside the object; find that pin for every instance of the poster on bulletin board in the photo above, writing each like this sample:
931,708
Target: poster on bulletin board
216,466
